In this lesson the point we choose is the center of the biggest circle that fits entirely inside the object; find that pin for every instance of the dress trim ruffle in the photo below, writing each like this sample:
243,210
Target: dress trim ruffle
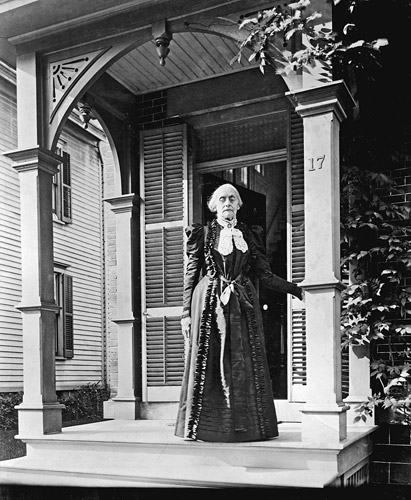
208,318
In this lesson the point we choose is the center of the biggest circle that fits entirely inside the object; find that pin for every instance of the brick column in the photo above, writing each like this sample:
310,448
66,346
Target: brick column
322,109
39,412
125,402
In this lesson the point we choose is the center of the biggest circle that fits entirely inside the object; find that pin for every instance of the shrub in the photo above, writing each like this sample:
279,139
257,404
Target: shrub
84,403
8,413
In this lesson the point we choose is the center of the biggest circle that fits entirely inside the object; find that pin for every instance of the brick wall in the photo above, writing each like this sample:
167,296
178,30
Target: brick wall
390,461
151,111
109,191
402,177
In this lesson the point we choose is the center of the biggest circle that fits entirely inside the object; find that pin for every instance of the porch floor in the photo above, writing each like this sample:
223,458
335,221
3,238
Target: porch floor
145,453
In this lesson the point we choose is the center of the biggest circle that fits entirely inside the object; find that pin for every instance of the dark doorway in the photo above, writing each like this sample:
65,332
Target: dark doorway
265,207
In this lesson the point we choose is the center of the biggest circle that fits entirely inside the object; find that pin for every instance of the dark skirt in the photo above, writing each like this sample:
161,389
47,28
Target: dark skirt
237,403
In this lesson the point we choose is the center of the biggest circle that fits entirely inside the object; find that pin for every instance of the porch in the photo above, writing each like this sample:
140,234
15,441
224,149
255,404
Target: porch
324,448
145,453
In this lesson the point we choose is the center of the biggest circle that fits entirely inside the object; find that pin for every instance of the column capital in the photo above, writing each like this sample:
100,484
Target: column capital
334,284
330,97
37,158
39,307
123,203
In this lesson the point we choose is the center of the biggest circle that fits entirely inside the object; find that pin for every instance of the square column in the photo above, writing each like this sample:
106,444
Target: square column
39,412
359,369
359,381
322,109
126,405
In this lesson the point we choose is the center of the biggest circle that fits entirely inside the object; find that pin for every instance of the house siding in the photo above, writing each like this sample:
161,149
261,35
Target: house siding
85,260
77,245
11,345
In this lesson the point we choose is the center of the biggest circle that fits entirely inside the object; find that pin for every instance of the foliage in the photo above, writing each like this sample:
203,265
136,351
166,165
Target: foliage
8,413
376,246
377,305
272,32
84,403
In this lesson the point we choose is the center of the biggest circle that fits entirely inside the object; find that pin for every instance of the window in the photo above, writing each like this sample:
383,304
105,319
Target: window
62,189
63,290
259,168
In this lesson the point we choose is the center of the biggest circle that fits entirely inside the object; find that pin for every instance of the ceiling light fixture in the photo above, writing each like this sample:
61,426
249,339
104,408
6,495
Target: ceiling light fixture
162,43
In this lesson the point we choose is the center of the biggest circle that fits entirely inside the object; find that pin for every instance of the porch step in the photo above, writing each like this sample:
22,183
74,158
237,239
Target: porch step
147,454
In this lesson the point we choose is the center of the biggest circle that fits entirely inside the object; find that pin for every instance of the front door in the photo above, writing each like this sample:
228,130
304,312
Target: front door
262,188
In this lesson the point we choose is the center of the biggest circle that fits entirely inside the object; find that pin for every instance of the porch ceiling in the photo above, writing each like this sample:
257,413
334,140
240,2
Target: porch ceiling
192,57
53,25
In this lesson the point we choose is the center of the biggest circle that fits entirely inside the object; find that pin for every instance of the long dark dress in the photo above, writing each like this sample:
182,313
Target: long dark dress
226,393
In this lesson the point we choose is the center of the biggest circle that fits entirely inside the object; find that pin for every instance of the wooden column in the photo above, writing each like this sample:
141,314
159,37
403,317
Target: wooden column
125,402
359,381
39,412
359,369
322,109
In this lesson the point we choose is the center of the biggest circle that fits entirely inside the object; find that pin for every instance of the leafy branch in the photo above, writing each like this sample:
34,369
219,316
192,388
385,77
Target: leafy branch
376,245
286,39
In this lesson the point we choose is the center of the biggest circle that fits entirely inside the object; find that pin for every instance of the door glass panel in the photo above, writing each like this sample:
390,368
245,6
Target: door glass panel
264,194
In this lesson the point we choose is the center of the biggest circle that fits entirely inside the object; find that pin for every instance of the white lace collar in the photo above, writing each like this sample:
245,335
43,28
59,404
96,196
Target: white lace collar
229,233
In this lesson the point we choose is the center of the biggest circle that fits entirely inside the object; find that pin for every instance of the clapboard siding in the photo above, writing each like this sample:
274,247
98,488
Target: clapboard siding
84,257
11,346
77,245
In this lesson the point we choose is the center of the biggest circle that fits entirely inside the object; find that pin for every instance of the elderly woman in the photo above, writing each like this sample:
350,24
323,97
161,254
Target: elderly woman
226,394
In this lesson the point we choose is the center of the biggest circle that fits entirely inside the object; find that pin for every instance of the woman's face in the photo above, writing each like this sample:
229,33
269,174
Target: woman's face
227,203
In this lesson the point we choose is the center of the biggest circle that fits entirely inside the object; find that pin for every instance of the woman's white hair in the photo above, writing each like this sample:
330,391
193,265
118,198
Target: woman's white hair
212,201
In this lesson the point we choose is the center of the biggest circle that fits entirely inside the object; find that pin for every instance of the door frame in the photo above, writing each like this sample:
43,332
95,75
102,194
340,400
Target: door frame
286,409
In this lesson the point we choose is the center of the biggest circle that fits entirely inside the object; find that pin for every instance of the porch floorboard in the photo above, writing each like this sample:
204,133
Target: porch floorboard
145,453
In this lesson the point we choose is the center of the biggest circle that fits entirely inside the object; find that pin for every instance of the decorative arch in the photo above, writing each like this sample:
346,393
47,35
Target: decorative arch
68,75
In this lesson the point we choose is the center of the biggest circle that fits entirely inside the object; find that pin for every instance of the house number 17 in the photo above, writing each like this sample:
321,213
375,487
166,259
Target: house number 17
316,163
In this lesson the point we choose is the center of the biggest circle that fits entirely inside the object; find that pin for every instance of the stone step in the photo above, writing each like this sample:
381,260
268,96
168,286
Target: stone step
31,472
146,453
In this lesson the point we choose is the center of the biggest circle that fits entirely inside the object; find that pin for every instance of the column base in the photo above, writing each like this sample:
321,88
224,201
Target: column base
45,419
125,408
324,426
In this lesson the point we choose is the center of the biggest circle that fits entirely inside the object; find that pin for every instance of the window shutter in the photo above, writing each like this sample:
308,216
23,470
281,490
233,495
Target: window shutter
165,351
68,316
297,258
66,212
345,352
164,216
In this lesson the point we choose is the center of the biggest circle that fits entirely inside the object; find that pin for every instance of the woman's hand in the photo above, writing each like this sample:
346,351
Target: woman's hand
185,327
301,294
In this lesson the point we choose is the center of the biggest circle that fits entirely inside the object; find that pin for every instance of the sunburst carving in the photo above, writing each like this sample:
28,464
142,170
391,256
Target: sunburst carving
65,73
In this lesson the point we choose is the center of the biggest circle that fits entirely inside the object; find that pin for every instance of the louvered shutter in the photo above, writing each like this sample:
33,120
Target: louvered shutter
345,352
164,216
66,212
68,316
297,344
